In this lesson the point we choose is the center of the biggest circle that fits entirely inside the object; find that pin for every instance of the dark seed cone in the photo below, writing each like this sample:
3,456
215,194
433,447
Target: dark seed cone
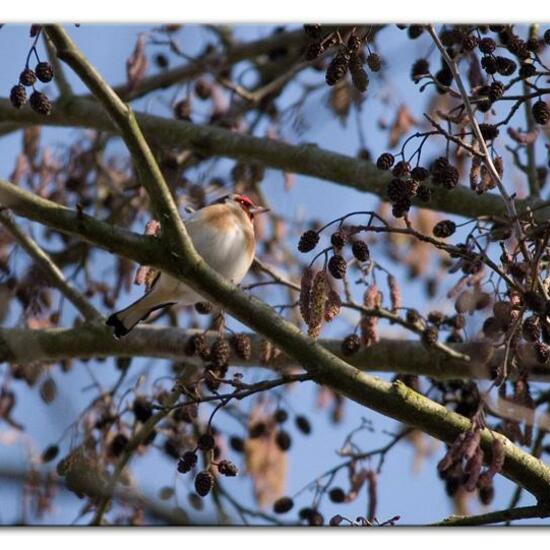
49,453
303,424
534,301
237,444
206,442
489,64
204,308
541,112
527,70
220,353
444,77
182,109
203,89
198,345
424,193
18,96
227,468
505,66
430,336
360,250
142,409
402,169
242,346
359,76
470,42
436,318
313,51
420,68
44,71
316,519
283,440
385,161
283,505
337,68
546,37
211,379
337,495
420,173
338,239
397,190
118,444
308,241
444,229
487,46
204,481
280,416
530,329
257,430
374,62
161,61
488,131
337,266
187,462
486,494
414,31
447,177
350,345
542,352
496,90
40,103
27,77
313,30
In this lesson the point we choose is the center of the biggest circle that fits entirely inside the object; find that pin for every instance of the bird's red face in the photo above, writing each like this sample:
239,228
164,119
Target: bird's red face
248,205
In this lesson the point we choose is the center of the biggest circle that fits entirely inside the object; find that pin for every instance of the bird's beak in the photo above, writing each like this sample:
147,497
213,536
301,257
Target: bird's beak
258,210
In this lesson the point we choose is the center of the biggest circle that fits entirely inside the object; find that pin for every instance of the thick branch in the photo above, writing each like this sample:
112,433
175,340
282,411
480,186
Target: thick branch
500,516
213,61
88,341
307,160
114,239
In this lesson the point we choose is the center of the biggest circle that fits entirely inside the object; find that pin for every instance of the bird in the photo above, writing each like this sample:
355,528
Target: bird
223,234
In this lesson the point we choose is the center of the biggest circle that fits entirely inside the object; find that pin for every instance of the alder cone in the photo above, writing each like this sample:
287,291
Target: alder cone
204,481
541,112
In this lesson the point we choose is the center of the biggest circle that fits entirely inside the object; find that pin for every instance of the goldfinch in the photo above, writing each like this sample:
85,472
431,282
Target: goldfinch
223,234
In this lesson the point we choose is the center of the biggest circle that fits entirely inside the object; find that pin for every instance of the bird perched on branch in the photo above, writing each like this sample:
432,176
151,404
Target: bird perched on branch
223,234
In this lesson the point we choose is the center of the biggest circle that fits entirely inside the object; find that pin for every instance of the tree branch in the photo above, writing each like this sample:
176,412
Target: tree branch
307,160
89,341
510,514
48,267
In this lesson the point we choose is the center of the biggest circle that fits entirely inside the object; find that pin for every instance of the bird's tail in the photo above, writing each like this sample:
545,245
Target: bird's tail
125,320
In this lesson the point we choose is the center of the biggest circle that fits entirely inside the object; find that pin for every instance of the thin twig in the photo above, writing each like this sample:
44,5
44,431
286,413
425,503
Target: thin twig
48,267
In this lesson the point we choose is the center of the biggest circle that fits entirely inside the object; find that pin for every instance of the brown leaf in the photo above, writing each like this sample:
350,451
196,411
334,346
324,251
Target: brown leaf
340,101
31,142
475,76
289,179
21,168
523,138
265,463
136,64
403,122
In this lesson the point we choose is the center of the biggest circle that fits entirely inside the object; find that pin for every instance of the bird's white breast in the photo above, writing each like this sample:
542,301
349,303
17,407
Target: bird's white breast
226,249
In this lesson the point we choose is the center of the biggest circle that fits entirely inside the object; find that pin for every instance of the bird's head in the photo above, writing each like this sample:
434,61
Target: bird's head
236,200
